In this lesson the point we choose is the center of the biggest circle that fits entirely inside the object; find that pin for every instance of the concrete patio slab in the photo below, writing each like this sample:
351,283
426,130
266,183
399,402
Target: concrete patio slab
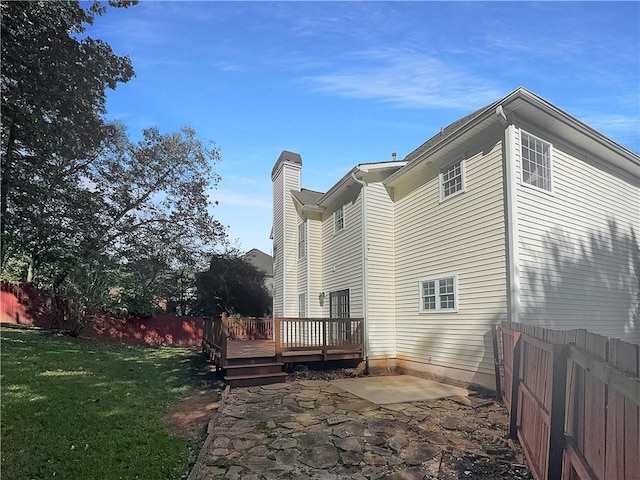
386,390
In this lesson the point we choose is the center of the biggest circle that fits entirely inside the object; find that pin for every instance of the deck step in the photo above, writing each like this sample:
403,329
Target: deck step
254,369
255,380
249,360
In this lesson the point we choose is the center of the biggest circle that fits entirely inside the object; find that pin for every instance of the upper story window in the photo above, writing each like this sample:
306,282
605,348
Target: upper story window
338,219
452,180
536,161
302,239
439,295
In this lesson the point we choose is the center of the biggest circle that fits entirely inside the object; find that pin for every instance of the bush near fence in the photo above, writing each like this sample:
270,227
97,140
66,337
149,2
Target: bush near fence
28,306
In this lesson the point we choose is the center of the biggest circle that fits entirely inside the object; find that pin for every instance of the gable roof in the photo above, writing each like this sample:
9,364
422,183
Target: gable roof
523,103
260,260
346,188
307,197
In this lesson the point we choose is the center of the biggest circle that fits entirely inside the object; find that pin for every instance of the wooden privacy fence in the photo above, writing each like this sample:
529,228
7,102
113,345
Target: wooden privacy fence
574,402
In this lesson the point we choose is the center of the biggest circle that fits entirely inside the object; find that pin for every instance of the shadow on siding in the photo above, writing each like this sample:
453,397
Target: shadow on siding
592,284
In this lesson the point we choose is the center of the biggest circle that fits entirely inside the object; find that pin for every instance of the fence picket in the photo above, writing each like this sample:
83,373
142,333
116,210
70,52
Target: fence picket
587,412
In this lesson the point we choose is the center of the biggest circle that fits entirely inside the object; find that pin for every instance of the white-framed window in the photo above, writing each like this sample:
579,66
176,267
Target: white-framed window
302,239
302,305
439,294
452,181
338,219
536,161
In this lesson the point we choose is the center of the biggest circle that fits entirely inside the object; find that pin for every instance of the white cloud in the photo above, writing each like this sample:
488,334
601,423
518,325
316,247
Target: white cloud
408,79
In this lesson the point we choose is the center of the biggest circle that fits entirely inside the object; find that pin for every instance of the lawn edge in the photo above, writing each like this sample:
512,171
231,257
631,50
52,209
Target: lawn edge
205,446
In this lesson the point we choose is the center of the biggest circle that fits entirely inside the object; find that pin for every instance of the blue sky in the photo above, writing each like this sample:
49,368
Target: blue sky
344,83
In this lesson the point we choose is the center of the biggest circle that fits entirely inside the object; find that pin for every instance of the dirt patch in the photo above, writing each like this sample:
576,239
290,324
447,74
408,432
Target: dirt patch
191,415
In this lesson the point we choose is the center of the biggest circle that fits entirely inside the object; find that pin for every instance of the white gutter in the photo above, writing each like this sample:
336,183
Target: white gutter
365,306
511,201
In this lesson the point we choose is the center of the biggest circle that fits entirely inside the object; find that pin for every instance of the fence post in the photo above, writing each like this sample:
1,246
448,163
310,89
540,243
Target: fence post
515,386
557,412
496,361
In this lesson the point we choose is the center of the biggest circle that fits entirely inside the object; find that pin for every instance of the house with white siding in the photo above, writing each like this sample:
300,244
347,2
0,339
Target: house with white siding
518,212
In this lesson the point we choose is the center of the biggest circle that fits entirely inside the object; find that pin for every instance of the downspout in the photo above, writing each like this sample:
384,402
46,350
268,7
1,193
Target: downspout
365,306
511,204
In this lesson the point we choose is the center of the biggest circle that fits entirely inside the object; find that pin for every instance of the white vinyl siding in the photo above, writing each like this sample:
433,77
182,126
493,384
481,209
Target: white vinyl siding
426,234
303,265
342,257
278,245
302,240
380,273
285,238
314,266
576,247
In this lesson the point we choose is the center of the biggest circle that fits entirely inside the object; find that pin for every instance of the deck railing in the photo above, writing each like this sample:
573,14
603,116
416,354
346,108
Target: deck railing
301,338
324,335
250,328
215,338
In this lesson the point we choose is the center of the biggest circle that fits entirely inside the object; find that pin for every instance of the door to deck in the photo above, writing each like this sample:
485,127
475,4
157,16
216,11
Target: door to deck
339,332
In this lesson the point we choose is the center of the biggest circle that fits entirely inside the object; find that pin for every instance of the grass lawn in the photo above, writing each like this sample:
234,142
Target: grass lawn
77,409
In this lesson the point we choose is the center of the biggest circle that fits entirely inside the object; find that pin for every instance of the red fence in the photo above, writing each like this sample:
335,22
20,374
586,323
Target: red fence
25,306
574,402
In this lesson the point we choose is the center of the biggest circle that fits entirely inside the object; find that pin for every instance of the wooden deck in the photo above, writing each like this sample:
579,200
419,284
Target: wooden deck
288,340
251,349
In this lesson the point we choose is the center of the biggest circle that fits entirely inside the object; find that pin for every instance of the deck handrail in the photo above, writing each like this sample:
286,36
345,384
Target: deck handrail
215,335
218,331
313,334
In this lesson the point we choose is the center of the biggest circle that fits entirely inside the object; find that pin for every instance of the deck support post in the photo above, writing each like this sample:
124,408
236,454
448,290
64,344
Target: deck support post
277,337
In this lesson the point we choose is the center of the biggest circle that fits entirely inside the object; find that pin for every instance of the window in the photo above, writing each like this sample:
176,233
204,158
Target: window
339,302
338,219
302,305
536,162
302,239
452,180
438,295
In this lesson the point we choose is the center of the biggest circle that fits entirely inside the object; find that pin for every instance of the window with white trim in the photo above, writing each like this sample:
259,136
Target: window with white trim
452,180
536,161
338,219
302,239
439,294
302,305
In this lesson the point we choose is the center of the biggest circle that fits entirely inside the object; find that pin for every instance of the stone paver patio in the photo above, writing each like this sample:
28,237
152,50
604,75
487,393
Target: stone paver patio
315,430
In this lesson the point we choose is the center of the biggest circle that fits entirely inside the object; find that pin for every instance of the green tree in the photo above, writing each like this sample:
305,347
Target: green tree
53,86
232,285
86,213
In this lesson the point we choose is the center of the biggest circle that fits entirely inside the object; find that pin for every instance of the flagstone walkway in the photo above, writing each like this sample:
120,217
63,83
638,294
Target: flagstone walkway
315,430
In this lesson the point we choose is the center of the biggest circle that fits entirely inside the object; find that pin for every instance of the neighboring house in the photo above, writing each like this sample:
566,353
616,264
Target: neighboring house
516,212
262,261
